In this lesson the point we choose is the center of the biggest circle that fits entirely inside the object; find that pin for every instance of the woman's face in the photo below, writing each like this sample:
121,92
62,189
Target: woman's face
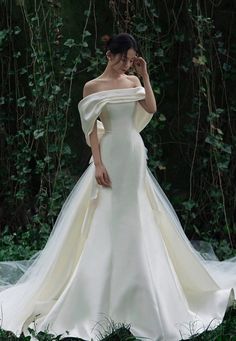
121,63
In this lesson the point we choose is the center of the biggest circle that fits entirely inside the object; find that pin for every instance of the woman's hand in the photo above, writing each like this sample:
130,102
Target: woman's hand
102,176
149,102
140,66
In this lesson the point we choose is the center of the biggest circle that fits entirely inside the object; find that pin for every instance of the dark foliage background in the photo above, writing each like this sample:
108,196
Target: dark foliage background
50,48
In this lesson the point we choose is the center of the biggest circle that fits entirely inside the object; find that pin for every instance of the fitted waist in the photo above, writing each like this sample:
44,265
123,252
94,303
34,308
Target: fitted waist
122,137
121,131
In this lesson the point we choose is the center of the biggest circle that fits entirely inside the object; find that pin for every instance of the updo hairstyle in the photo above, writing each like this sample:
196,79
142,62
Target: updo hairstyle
121,43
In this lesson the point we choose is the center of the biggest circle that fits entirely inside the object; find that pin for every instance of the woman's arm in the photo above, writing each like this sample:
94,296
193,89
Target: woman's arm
93,137
101,174
149,103
89,88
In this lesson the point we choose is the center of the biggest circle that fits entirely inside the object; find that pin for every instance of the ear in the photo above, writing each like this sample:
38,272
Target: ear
108,54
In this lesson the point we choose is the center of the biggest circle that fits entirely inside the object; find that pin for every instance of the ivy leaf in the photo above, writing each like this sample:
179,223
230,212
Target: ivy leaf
179,37
41,83
200,60
17,29
70,43
17,54
47,159
161,165
86,34
84,44
219,131
219,110
34,19
226,67
184,68
218,34
159,53
77,60
162,118
157,90
157,28
23,71
21,101
201,47
141,27
55,89
66,149
147,3
86,12
3,35
223,165
189,205
38,133
226,148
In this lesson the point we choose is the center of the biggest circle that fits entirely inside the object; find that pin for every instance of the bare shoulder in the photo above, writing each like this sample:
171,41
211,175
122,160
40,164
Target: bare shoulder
135,80
90,87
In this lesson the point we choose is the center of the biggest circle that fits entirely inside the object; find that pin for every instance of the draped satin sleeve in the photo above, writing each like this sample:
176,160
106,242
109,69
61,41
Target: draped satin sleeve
90,107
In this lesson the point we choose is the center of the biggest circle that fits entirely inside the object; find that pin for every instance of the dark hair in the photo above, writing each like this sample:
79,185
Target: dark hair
121,43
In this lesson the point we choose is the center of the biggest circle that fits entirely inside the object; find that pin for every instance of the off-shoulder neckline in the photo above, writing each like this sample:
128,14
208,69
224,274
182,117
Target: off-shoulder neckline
110,90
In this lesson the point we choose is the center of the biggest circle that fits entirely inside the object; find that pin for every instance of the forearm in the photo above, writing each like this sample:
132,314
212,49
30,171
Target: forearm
150,101
95,147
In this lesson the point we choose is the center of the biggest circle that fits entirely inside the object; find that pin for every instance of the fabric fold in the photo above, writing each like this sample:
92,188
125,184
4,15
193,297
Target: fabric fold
91,106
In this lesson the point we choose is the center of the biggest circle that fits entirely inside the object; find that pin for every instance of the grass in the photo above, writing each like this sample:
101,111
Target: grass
226,331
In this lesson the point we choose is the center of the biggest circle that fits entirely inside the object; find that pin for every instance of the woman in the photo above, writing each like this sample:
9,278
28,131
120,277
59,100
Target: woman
117,249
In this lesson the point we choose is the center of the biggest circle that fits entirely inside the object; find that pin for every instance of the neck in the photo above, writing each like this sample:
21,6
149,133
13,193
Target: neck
111,73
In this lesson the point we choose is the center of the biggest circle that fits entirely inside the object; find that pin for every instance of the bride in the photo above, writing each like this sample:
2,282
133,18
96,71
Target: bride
117,249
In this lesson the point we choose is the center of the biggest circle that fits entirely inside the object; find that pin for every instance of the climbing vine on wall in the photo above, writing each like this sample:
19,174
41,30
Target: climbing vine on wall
190,140
37,74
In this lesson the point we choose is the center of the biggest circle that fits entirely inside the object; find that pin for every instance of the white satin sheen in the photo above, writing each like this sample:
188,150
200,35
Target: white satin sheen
118,252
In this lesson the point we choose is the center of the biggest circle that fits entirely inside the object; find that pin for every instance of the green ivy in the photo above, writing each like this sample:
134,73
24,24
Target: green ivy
190,140
38,68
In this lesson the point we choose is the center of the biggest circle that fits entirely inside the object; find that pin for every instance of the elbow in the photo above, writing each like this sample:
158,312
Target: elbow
152,110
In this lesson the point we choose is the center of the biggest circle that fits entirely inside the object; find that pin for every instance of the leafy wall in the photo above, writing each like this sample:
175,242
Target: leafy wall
50,48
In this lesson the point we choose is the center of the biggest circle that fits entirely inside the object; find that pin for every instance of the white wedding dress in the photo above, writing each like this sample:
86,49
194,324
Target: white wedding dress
119,252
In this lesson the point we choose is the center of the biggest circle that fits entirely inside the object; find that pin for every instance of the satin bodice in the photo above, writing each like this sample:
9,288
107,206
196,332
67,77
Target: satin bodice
118,109
118,117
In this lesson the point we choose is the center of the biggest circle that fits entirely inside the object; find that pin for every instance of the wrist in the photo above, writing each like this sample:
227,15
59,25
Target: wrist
98,164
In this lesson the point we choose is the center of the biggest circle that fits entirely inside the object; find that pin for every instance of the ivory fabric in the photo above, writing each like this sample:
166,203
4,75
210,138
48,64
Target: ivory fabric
119,252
